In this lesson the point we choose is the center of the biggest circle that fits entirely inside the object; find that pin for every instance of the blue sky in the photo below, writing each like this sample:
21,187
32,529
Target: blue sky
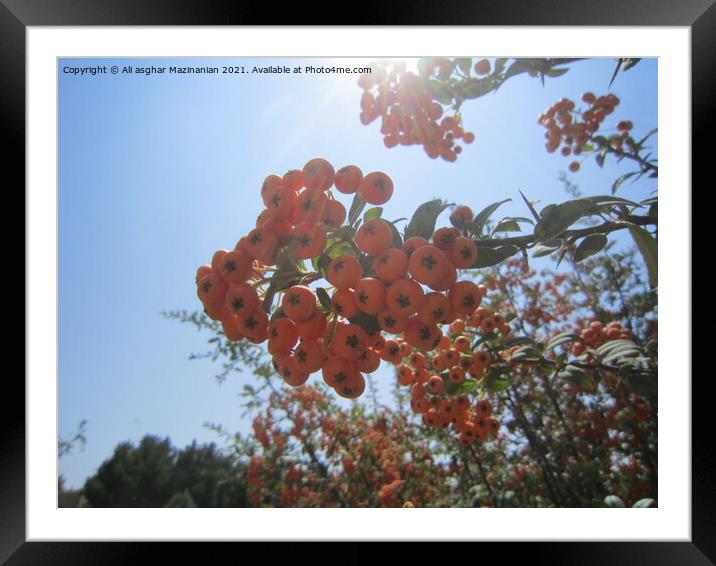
157,172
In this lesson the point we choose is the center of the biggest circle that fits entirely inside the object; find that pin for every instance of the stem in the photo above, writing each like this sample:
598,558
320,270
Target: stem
483,476
606,227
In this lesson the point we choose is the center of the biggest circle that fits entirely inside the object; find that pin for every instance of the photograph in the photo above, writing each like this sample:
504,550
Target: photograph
343,282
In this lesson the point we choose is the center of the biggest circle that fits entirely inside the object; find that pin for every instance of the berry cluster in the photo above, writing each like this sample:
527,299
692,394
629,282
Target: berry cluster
410,108
386,302
573,128
596,334
437,379
299,213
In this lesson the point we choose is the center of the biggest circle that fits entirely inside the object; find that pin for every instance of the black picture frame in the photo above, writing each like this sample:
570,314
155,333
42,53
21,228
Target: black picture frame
17,15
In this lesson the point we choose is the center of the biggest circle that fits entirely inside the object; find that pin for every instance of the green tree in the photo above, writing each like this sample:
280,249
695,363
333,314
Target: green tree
154,473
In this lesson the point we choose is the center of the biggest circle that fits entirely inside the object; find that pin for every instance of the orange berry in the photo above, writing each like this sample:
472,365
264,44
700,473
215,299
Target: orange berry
212,289
348,179
335,214
460,216
344,303
349,341
487,324
436,384
404,297
291,373
391,265
236,266
310,240
391,352
337,370
368,361
353,387
444,238
370,295
318,174
241,298
293,179
417,360
422,336
374,237
464,297
311,206
282,336
280,202
216,312
230,326
463,253
269,183
481,358
484,408
482,67
299,303
254,325
344,272
216,260
309,356
413,243
428,264
261,243
376,188
391,323
462,343
405,375
434,309
201,271
314,327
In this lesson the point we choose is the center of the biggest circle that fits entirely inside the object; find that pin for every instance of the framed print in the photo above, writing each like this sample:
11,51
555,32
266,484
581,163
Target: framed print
391,281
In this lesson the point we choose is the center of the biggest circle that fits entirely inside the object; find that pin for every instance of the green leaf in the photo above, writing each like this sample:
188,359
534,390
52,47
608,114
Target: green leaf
494,383
649,251
482,217
464,64
557,72
562,338
507,225
613,501
518,67
423,221
500,64
630,62
278,313
589,246
517,341
368,322
643,503
372,213
324,299
475,88
441,92
530,206
547,248
620,180
607,347
605,200
492,256
357,207
397,241
560,217
643,384
620,62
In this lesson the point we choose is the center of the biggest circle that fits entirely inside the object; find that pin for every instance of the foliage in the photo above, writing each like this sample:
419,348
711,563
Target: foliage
155,474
